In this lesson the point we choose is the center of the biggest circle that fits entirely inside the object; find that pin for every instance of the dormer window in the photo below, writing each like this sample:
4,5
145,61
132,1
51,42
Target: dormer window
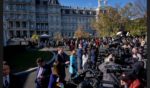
70,12
63,11
90,12
77,11
44,2
53,2
81,12
87,13
37,2
84,12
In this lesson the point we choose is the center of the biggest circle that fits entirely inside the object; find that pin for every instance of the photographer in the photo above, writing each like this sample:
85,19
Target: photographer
110,60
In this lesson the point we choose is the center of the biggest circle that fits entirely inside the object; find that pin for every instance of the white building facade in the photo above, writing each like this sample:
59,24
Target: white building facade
22,18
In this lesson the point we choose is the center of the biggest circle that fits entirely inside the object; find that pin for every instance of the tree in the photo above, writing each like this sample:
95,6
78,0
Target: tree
79,33
135,18
107,23
57,36
86,34
141,8
35,38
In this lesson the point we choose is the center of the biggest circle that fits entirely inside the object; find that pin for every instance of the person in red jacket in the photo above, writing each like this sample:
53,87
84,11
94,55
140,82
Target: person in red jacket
97,42
135,84
129,81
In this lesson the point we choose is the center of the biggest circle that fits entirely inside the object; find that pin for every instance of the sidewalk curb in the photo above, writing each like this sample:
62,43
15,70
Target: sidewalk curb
33,69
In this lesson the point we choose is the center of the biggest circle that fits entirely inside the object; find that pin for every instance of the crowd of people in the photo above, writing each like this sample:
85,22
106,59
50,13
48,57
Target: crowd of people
125,51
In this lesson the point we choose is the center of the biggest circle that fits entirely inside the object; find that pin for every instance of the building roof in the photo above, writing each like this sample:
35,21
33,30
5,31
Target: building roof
54,2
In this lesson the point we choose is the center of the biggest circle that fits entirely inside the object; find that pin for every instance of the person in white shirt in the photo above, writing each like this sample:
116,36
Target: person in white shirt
84,58
142,42
136,55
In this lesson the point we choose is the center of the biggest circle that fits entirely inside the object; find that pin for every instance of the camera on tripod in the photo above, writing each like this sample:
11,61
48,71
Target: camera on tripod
116,69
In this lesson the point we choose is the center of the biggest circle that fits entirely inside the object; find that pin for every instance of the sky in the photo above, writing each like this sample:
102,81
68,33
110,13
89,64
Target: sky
92,3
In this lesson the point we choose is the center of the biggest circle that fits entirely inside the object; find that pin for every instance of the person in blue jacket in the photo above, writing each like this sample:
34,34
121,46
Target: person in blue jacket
93,55
73,64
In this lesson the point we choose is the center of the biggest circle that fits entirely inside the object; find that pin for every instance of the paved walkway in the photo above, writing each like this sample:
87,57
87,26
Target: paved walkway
29,76
29,83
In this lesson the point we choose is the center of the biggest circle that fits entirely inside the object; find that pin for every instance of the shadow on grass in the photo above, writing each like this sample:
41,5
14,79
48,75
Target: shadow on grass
21,59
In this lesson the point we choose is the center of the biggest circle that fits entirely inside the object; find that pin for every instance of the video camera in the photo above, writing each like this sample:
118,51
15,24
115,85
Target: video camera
116,69
114,44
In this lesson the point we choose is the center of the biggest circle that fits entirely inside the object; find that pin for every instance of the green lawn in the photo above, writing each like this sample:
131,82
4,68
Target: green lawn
27,59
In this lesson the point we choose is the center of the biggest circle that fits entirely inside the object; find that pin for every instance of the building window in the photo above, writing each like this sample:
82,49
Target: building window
63,11
21,7
18,16
84,12
7,7
11,34
24,16
10,24
37,2
45,3
31,33
24,24
25,33
47,32
10,7
38,26
17,24
46,25
38,32
42,25
18,33
52,34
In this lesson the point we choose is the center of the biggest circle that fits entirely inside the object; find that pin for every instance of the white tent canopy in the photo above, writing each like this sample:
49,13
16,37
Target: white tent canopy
44,35
119,33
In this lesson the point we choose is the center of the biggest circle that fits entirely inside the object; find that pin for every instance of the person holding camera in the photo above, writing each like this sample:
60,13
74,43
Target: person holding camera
108,77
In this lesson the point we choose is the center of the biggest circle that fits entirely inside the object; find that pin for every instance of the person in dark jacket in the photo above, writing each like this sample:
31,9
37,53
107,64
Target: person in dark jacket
10,80
62,61
79,57
93,55
43,73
